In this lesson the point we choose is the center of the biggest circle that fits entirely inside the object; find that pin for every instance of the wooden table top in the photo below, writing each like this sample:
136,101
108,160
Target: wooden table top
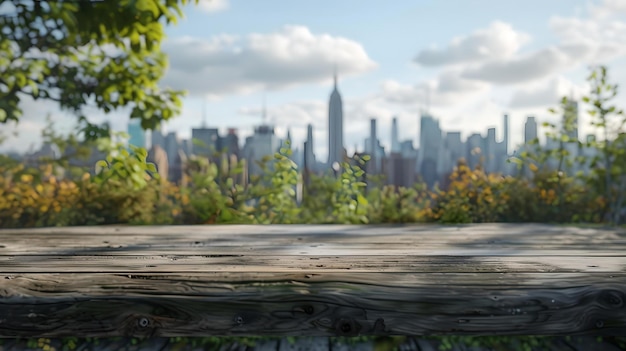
312,280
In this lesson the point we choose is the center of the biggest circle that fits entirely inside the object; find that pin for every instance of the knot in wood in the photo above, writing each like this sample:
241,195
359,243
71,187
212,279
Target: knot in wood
143,322
599,323
347,327
308,309
239,320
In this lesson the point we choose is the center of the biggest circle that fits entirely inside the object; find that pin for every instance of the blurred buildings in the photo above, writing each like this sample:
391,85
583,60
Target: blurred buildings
403,164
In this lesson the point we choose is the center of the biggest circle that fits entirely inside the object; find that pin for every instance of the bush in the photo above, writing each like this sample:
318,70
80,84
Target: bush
471,197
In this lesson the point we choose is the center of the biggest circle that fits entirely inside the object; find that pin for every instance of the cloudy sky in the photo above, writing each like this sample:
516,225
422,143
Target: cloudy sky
473,60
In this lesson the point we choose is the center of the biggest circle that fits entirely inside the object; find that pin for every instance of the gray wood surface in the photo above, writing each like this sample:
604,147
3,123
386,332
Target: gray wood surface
312,280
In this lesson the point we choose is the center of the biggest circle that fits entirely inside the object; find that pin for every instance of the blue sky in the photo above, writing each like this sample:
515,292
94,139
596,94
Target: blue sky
475,59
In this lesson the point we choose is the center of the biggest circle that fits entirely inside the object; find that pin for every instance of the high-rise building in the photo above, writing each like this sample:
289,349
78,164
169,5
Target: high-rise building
572,107
455,146
505,137
230,143
530,129
171,147
309,155
399,171
372,148
395,143
335,126
263,143
157,138
429,149
491,151
137,136
407,150
475,150
205,141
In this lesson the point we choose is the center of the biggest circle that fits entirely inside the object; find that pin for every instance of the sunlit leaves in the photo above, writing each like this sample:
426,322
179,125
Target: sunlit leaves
607,174
80,52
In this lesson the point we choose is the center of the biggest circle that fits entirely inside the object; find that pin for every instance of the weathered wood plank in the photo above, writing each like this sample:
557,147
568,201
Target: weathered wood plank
299,304
312,280
313,264
490,240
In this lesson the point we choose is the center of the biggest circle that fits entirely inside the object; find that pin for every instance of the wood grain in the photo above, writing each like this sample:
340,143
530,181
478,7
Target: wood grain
312,280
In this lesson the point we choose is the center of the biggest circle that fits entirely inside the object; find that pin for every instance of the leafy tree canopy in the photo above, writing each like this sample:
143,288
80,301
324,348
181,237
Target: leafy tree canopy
87,52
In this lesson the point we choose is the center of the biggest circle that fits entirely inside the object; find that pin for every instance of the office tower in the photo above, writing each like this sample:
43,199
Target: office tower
137,136
407,150
530,129
263,143
157,139
455,148
475,150
572,107
335,126
171,147
429,149
230,143
371,150
186,146
505,138
309,155
205,141
491,151
158,156
399,170
395,143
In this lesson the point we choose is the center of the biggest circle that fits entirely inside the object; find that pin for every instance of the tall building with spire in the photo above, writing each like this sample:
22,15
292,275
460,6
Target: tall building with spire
335,126
395,142
309,155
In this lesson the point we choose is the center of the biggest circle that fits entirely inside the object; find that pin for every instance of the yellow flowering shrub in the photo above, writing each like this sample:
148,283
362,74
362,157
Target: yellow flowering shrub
471,196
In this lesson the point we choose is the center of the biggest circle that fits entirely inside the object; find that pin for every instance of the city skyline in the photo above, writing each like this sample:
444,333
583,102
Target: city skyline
392,59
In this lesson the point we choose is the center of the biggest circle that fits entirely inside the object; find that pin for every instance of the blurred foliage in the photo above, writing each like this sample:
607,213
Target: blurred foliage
105,54
125,188
608,166
472,196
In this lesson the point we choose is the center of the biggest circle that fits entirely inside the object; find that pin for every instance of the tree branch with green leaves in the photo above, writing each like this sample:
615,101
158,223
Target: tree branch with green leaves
105,54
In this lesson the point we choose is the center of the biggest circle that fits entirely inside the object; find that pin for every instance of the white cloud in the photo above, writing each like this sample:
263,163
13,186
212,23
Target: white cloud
547,92
447,88
529,67
234,65
211,6
297,114
607,8
602,32
499,40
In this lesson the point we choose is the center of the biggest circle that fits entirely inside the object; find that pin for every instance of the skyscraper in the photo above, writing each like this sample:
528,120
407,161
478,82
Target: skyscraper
335,126
309,156
371,150
136,133
505,138
205,141
263,143
157,137
490,152
395,143
572,107
475,149
430,145
530,129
